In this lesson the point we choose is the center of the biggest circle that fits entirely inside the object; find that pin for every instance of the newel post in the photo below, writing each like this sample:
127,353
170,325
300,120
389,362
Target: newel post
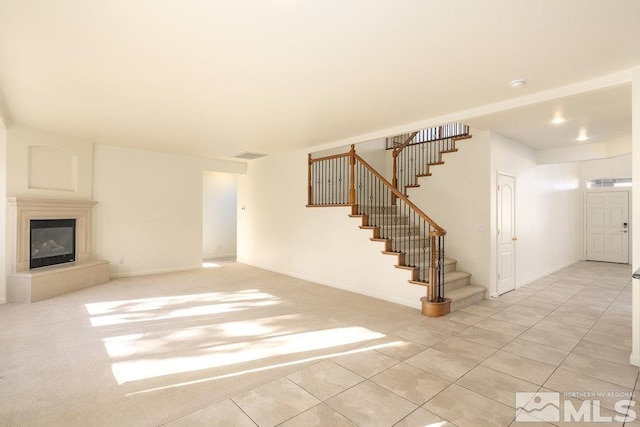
352,172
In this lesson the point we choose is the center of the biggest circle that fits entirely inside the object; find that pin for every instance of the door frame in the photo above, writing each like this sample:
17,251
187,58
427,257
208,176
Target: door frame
497,246
584,218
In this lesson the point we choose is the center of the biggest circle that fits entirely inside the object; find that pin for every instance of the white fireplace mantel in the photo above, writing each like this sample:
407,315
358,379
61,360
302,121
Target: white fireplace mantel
26,285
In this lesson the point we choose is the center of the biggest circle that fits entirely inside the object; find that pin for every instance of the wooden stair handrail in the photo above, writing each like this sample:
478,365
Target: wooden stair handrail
397,150
335,156
437,230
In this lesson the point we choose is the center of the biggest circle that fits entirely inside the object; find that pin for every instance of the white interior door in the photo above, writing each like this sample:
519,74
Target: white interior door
506,233
608,226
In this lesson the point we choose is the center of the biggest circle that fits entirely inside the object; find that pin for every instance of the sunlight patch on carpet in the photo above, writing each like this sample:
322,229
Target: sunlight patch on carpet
177,306
236,353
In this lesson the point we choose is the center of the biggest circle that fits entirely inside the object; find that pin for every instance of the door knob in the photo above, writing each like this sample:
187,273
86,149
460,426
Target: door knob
514,238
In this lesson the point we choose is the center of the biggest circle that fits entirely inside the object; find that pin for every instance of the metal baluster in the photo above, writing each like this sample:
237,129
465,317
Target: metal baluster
345,180
416,249
320,182
340,180
313,187
324,182
423,262
334,181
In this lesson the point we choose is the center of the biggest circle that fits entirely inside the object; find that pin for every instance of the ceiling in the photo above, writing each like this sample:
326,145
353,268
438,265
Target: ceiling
216,78
600,116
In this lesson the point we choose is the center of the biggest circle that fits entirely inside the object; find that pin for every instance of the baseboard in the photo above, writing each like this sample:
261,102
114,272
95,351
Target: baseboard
150,272
408,303
634,359
540,276
220,256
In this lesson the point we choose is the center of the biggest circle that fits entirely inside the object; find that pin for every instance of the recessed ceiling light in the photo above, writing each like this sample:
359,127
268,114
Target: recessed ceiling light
518,83
582,135
558,120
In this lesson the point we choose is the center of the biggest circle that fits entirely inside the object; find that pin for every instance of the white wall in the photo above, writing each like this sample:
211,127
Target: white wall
614,167
149,213
549,211
219,214
584,152
276,231
456,196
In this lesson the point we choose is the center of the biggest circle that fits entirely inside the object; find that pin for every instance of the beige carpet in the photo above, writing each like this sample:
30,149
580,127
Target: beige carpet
147,350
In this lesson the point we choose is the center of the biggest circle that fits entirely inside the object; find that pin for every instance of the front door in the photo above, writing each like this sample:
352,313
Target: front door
608,226
506,233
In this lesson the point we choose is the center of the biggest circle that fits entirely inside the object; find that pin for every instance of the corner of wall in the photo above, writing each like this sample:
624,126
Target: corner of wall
4,227
635,296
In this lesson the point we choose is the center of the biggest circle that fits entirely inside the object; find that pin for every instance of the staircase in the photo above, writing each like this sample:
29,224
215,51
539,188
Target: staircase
458,287
384,208
457,284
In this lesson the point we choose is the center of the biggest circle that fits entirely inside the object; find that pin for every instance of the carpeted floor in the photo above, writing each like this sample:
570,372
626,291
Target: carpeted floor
147,350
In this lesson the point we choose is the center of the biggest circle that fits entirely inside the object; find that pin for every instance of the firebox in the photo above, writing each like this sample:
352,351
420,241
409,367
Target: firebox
52,242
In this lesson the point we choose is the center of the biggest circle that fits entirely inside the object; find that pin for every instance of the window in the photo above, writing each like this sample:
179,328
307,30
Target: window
608,182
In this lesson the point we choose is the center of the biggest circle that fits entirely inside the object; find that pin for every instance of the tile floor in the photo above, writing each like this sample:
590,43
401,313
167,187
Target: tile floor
569,332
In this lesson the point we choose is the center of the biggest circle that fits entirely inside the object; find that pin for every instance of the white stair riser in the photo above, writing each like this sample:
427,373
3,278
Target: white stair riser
455,284
464,302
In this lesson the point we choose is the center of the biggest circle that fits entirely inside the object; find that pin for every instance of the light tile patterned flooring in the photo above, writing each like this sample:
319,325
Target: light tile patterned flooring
567,332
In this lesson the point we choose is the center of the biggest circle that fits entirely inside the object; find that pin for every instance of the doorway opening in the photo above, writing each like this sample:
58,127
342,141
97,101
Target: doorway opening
219,218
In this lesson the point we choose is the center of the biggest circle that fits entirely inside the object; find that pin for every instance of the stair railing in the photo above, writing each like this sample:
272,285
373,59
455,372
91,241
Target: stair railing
414,152
348,180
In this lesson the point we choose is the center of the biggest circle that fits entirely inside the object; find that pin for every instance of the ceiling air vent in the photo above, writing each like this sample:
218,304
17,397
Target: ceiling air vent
250,156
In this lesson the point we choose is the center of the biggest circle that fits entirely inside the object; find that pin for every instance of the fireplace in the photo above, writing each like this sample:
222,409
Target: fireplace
44,232
52,241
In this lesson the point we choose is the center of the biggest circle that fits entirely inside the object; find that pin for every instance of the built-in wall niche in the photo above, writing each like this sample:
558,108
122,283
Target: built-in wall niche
27,284
52,168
